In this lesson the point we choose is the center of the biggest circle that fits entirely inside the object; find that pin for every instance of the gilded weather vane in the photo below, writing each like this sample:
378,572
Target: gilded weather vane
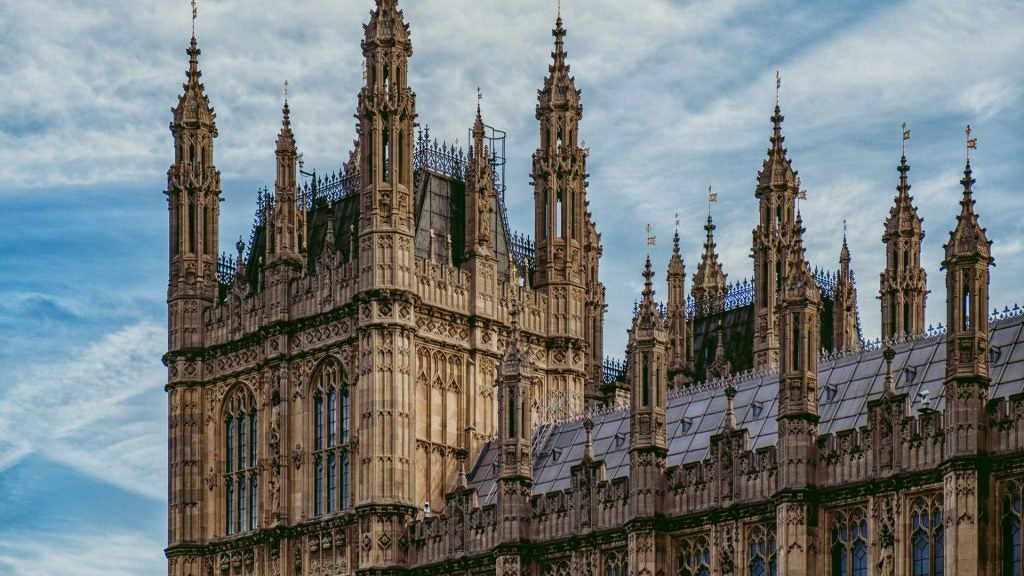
195,14
285,92
651,239
906,136
778,86
972,143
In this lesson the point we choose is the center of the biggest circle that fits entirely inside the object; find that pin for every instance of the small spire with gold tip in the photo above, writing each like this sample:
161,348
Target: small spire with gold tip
651,239
195,15
972,143
778,88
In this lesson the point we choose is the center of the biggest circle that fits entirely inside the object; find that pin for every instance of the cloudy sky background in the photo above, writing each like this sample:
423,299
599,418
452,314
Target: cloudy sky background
677,96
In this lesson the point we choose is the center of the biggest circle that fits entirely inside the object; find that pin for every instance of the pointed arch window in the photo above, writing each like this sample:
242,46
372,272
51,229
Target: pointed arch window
762,551
557,569
331,433
241,463
694,557
849,551
616,564
966,306
926,536
1010,529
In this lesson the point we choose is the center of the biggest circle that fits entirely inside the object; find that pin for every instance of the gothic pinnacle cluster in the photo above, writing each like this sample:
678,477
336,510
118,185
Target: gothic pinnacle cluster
391,382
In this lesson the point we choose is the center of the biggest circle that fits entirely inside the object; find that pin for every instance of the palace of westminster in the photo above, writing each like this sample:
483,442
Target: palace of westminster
390,381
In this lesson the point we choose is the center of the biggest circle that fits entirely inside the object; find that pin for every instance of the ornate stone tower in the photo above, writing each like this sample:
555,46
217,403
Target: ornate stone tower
515,432
193,201
968,257
777,192
648,351
285,223
193,196
481,211
903,283
562,226
385,496
285,242
710,280
799,310
677,328
845,318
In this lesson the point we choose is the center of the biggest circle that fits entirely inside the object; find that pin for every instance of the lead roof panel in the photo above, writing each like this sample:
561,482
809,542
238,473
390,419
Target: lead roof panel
704,406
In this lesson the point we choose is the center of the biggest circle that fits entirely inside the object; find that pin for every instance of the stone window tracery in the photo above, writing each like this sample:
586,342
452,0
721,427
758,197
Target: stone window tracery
762,551
557,569
849,552
616,564
694,557
241,473
926,536
1010,529
331,431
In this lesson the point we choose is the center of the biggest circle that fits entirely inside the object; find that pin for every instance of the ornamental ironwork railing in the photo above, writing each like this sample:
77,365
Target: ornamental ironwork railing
329,189
440,157
523,250
264,205
226,267
613,369
741,293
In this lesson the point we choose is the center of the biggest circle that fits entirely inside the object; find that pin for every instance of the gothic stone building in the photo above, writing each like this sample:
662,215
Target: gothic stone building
390,381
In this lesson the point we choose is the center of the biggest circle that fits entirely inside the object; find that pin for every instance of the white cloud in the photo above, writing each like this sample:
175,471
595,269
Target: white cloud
676,96
83,551
99,411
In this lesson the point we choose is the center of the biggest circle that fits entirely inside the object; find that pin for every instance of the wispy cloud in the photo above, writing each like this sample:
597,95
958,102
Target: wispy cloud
81,552
99,412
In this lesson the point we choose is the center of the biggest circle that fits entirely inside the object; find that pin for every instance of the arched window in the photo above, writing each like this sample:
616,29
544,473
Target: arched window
331,421
966,311
616,564
557,569
926,536
762,551
849,552
241,472
1011,529
694,557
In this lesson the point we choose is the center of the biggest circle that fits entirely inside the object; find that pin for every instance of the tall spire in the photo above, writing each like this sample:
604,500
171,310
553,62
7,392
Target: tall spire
387,27
480,192
677,328
777,191
559,91
845,316
903,283
287,224
709,282
777,169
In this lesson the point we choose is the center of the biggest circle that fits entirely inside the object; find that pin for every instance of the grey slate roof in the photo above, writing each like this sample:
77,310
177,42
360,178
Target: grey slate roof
846,384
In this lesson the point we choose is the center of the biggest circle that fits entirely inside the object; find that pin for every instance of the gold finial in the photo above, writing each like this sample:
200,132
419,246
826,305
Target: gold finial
906,136
285,91
677,222
195,14
972,143
778,86
479,97
712,198
559,8
651,238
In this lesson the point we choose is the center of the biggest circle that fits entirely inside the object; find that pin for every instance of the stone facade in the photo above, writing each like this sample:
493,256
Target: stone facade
388,385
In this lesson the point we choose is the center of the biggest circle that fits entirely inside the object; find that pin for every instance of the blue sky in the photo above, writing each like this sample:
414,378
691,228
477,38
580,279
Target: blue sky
677,96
